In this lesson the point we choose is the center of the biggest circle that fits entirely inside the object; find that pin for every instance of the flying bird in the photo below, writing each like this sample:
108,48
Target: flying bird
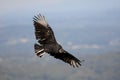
48,44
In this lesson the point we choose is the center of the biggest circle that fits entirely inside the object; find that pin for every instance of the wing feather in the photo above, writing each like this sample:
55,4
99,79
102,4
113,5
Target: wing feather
43,31
68,58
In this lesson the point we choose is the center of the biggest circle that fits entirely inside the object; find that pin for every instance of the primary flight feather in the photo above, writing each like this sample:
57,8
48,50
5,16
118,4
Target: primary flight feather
48,44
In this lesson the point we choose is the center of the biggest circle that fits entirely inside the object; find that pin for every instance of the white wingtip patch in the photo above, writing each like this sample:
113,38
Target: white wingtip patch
74,64
41,19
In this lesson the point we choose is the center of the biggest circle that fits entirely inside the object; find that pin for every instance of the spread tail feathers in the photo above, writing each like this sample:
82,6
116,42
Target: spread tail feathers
39,50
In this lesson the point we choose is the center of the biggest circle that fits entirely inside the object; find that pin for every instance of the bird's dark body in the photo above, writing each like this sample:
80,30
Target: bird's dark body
52,48
47,43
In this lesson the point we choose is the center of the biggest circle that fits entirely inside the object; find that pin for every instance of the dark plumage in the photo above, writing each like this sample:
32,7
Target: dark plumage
48,43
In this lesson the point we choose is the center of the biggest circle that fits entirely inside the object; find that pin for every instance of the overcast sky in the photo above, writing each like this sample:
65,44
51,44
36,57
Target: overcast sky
32,6
96,21
20,10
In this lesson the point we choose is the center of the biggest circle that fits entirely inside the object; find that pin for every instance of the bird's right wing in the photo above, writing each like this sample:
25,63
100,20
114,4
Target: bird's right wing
68,58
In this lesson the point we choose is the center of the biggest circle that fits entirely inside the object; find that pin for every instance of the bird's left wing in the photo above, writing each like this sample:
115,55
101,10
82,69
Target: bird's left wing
68,58
43,31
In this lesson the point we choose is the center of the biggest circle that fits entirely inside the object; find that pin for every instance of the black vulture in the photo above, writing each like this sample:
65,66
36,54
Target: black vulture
48,44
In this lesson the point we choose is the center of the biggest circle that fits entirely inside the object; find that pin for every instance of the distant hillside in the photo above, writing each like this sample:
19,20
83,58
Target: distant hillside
96,67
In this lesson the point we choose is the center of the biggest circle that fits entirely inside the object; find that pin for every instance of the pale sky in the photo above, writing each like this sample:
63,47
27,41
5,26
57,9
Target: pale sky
11,6
19,9
96,21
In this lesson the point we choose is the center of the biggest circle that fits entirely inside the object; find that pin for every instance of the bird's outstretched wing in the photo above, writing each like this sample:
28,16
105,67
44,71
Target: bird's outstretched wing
68,58
43,31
